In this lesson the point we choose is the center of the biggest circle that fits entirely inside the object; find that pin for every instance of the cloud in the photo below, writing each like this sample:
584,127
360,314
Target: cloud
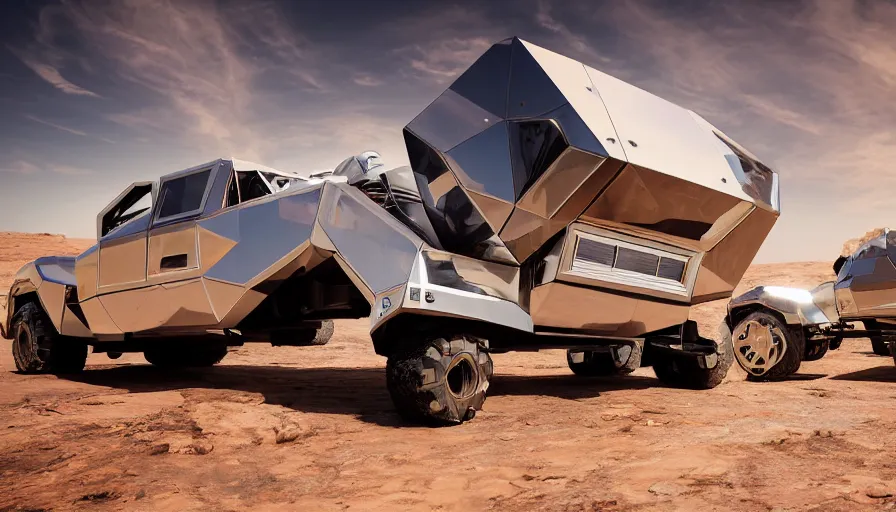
367,80
53,76
19,167
66,129
445,59
25,167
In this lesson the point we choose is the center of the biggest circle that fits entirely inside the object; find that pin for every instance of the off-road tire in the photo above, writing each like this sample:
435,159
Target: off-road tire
321,335
185,356
618,360
686,372
440,381
878,345
38,348
793,353
816,350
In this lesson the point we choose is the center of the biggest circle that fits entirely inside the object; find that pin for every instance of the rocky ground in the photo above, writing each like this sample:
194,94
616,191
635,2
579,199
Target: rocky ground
314,429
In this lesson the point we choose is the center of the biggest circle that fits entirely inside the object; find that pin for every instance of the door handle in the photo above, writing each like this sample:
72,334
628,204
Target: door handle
173,262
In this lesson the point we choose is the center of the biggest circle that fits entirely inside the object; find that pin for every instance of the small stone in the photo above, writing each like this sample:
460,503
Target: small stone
202,447
651,423
878,491
140,494
288,434
667,489
159,449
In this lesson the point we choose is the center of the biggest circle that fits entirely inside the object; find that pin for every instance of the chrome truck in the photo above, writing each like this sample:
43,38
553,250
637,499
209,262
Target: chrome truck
546,205
777,328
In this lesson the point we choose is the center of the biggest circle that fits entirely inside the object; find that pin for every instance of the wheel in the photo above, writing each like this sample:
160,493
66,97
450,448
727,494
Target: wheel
616,360
441,381
878,345
170,355
693,374
816,350
319,336
767,348
38,348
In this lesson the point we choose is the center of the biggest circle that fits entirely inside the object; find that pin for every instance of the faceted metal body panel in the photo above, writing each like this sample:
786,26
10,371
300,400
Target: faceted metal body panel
796,306
866,284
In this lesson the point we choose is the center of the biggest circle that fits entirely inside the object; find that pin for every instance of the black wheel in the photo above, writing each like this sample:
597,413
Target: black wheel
441,381
878,345
767,348
169,355
691,373
816,350
38,348
615,360
321,335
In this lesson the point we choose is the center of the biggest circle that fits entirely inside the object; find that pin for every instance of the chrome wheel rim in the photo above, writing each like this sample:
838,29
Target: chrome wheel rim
758,347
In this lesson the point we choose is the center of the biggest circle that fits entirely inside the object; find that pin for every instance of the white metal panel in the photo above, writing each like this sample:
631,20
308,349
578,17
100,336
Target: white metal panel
665,137
573,82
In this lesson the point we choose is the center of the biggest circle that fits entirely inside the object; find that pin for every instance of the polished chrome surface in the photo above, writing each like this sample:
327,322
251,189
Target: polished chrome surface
866,284
758,347
796,306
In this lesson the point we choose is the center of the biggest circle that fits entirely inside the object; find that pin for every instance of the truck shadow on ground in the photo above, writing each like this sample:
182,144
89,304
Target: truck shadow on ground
885,373
358,392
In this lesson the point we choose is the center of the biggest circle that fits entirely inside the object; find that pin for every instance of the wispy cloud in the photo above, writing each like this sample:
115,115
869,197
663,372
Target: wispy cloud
445,59
27,167
66,128
18,167
52,75
367,80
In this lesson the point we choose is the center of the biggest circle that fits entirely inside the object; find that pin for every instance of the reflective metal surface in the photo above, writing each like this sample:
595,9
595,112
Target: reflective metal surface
796,306
758,347
540,192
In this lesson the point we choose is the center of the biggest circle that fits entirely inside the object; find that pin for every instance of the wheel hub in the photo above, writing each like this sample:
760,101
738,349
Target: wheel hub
758,347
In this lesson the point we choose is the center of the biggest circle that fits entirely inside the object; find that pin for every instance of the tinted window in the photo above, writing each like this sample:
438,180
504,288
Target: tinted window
233,192
135,204
182,195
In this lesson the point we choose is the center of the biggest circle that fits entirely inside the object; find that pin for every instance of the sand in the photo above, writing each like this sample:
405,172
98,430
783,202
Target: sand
124,435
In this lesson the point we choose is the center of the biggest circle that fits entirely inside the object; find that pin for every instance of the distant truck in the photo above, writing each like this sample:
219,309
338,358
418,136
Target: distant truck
547,205
775,329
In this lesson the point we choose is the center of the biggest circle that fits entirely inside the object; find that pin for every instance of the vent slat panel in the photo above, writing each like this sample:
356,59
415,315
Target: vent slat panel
637,261
596,252
671,269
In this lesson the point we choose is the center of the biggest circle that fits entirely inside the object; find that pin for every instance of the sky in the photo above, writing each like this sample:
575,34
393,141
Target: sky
97,94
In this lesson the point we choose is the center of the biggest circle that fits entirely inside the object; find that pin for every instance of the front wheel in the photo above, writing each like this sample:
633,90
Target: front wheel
440,381
38,348
878,345
767,348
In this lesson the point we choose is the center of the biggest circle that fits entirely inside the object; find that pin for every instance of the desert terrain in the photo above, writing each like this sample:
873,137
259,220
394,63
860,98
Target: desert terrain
313,429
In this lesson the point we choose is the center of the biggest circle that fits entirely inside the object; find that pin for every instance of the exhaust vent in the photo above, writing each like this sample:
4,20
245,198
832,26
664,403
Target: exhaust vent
601,258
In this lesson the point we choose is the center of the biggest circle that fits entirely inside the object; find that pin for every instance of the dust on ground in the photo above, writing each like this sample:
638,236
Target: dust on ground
124,435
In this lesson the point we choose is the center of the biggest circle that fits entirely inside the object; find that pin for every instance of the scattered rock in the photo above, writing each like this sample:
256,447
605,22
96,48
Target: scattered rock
823,433
878,491
667,489
159,449
287,434
140,494
99,496
201,447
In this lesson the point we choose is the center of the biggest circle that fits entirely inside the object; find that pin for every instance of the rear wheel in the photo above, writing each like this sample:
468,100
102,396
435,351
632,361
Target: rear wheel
614,360
38,348
767,348
440,381
186,356
878,345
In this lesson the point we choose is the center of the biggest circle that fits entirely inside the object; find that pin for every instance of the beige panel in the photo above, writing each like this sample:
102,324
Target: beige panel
212,247
86,274
874,294
553,188
98,317
572,307
223,296
52,297
180,304
122,263
248,302
72,326
172,241
724,266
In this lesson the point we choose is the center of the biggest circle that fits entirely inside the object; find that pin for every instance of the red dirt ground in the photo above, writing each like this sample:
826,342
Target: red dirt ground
124,435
